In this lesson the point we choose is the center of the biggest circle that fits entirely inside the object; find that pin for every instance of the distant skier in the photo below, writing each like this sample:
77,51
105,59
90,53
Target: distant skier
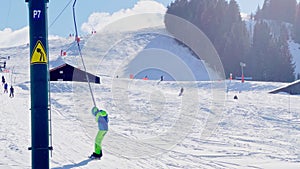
11,93
161,79
145,78
3,80
235,97
102,118
5,88
181,91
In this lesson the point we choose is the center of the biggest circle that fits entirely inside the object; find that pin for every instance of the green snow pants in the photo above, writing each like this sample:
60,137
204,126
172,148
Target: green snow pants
98,141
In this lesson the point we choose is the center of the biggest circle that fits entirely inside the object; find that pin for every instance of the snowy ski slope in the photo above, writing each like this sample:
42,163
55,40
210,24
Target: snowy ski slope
150,125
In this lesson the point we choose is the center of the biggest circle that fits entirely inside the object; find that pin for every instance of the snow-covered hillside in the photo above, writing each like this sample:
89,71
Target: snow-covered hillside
150,125
149,52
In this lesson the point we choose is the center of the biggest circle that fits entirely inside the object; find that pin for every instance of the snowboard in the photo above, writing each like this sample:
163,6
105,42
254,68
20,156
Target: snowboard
94,158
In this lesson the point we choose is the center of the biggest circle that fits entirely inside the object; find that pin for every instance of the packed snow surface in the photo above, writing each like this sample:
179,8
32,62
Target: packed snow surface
150,125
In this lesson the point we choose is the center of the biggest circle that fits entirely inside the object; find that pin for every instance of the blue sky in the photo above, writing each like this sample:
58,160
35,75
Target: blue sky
14,13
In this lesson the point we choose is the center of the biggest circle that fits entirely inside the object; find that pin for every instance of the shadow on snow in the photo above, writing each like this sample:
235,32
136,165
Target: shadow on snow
69,166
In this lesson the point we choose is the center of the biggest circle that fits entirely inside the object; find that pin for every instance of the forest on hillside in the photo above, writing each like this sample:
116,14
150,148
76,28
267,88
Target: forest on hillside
265,52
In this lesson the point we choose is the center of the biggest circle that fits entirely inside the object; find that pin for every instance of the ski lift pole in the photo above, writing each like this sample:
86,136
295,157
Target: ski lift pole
79,51
39,83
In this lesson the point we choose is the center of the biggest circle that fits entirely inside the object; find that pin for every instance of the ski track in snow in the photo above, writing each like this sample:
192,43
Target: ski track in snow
259,130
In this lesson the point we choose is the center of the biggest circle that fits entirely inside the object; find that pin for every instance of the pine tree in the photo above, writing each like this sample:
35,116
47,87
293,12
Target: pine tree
258,61
221,26
258,14
236,41
286,67
297,25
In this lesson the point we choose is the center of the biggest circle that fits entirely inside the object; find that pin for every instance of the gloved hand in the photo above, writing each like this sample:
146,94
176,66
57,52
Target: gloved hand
95,111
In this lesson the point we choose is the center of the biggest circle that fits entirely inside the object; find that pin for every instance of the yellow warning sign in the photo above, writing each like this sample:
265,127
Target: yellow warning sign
39,55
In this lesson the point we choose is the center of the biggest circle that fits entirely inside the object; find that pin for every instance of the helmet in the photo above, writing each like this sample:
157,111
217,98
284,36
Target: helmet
103,113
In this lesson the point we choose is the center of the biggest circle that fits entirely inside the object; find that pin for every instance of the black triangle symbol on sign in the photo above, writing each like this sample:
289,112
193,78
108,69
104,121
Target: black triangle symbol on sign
39,55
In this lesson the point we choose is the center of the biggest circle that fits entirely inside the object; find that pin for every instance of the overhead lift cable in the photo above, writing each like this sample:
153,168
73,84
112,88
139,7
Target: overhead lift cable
56,18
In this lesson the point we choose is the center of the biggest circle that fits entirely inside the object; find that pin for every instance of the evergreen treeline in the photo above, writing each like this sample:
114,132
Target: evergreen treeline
267,57
281,10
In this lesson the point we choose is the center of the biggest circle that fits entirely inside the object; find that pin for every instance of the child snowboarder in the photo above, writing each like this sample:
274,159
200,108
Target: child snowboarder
102,118
11,94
